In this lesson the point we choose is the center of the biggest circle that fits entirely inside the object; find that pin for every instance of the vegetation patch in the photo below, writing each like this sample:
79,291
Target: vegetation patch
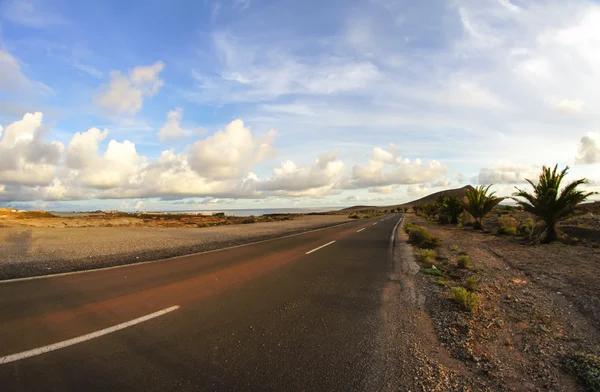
421,238
471,284
432,271
467,301
586,368
507,230
464,262
426,255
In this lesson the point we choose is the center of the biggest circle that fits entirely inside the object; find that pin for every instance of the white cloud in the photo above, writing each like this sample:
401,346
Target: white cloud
569,106
12,79
507,173
30,14
172,130
417,190
229,153
441,182
589,149
125,94
25,158
388,168
317,180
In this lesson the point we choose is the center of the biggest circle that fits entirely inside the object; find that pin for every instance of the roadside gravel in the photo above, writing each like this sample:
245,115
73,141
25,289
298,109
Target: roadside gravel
29,252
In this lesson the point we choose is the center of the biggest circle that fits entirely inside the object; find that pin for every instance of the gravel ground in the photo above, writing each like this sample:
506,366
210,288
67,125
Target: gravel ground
39,251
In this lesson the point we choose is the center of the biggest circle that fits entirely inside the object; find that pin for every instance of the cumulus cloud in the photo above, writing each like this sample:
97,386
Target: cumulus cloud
388,168
569,106
317,180
125,94
26,159
230,152
172,130
418,190
589,149
506,173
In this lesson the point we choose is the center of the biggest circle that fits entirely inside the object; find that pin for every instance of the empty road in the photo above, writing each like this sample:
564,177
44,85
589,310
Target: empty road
290,314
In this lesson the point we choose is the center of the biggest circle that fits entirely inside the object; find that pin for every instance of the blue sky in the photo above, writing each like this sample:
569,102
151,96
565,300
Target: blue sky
247,103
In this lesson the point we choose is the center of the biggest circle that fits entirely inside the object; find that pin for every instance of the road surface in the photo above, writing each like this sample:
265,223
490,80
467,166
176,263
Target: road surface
291,314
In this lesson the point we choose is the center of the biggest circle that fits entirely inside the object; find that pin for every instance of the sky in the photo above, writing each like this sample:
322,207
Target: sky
224,104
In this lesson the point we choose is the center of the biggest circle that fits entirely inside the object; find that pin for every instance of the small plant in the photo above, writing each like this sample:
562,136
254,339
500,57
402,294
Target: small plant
426,255
586,368
432,271
454,248
421,238
471,284
467,301
464,262
507,230
441,282
408,227
354,216
508,221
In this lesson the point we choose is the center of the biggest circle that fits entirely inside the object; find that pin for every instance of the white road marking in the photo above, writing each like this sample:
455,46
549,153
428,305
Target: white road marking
83,338
322,246
374,223
358,231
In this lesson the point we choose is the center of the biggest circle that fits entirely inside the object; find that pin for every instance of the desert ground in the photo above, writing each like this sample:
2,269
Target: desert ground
38,244
534,324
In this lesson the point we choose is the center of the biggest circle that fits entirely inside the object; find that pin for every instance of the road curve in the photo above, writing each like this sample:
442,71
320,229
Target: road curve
296,313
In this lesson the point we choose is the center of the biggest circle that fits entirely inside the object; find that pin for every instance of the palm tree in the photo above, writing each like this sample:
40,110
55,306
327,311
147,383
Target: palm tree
479,203
548,204
452,208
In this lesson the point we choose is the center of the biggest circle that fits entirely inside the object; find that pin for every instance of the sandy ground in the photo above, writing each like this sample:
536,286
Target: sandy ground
38,251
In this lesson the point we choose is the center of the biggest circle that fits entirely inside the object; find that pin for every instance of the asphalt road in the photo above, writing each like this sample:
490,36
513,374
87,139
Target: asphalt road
266,316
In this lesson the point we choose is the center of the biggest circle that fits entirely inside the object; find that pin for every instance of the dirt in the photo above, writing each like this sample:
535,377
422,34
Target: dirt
539,304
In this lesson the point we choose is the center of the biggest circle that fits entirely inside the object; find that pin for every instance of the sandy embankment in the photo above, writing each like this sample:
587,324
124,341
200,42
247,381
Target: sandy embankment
39,251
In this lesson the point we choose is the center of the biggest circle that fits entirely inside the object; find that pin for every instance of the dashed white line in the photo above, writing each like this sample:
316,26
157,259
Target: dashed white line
374,223
358,231
83,338
322,246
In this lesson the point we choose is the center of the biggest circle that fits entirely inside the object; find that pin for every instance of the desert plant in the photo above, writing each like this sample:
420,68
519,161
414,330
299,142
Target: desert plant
586,368
479,203
408,227
467,301
464,261
421,238
454,248
432,271
450,209
507,230
354,216
471,284
426,255
508,221
549,204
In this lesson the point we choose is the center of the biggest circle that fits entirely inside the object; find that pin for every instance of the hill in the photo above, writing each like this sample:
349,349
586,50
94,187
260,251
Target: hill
426,199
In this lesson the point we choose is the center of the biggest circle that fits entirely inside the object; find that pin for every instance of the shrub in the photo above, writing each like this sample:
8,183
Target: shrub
421,238
454,248
432,271
507,230
471,284
441,282
354,216
586,368
467,301
508,221
526,227
464,261
426,255
408,227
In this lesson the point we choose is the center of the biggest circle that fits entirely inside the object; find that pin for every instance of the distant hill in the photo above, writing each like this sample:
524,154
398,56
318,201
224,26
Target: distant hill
427,199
